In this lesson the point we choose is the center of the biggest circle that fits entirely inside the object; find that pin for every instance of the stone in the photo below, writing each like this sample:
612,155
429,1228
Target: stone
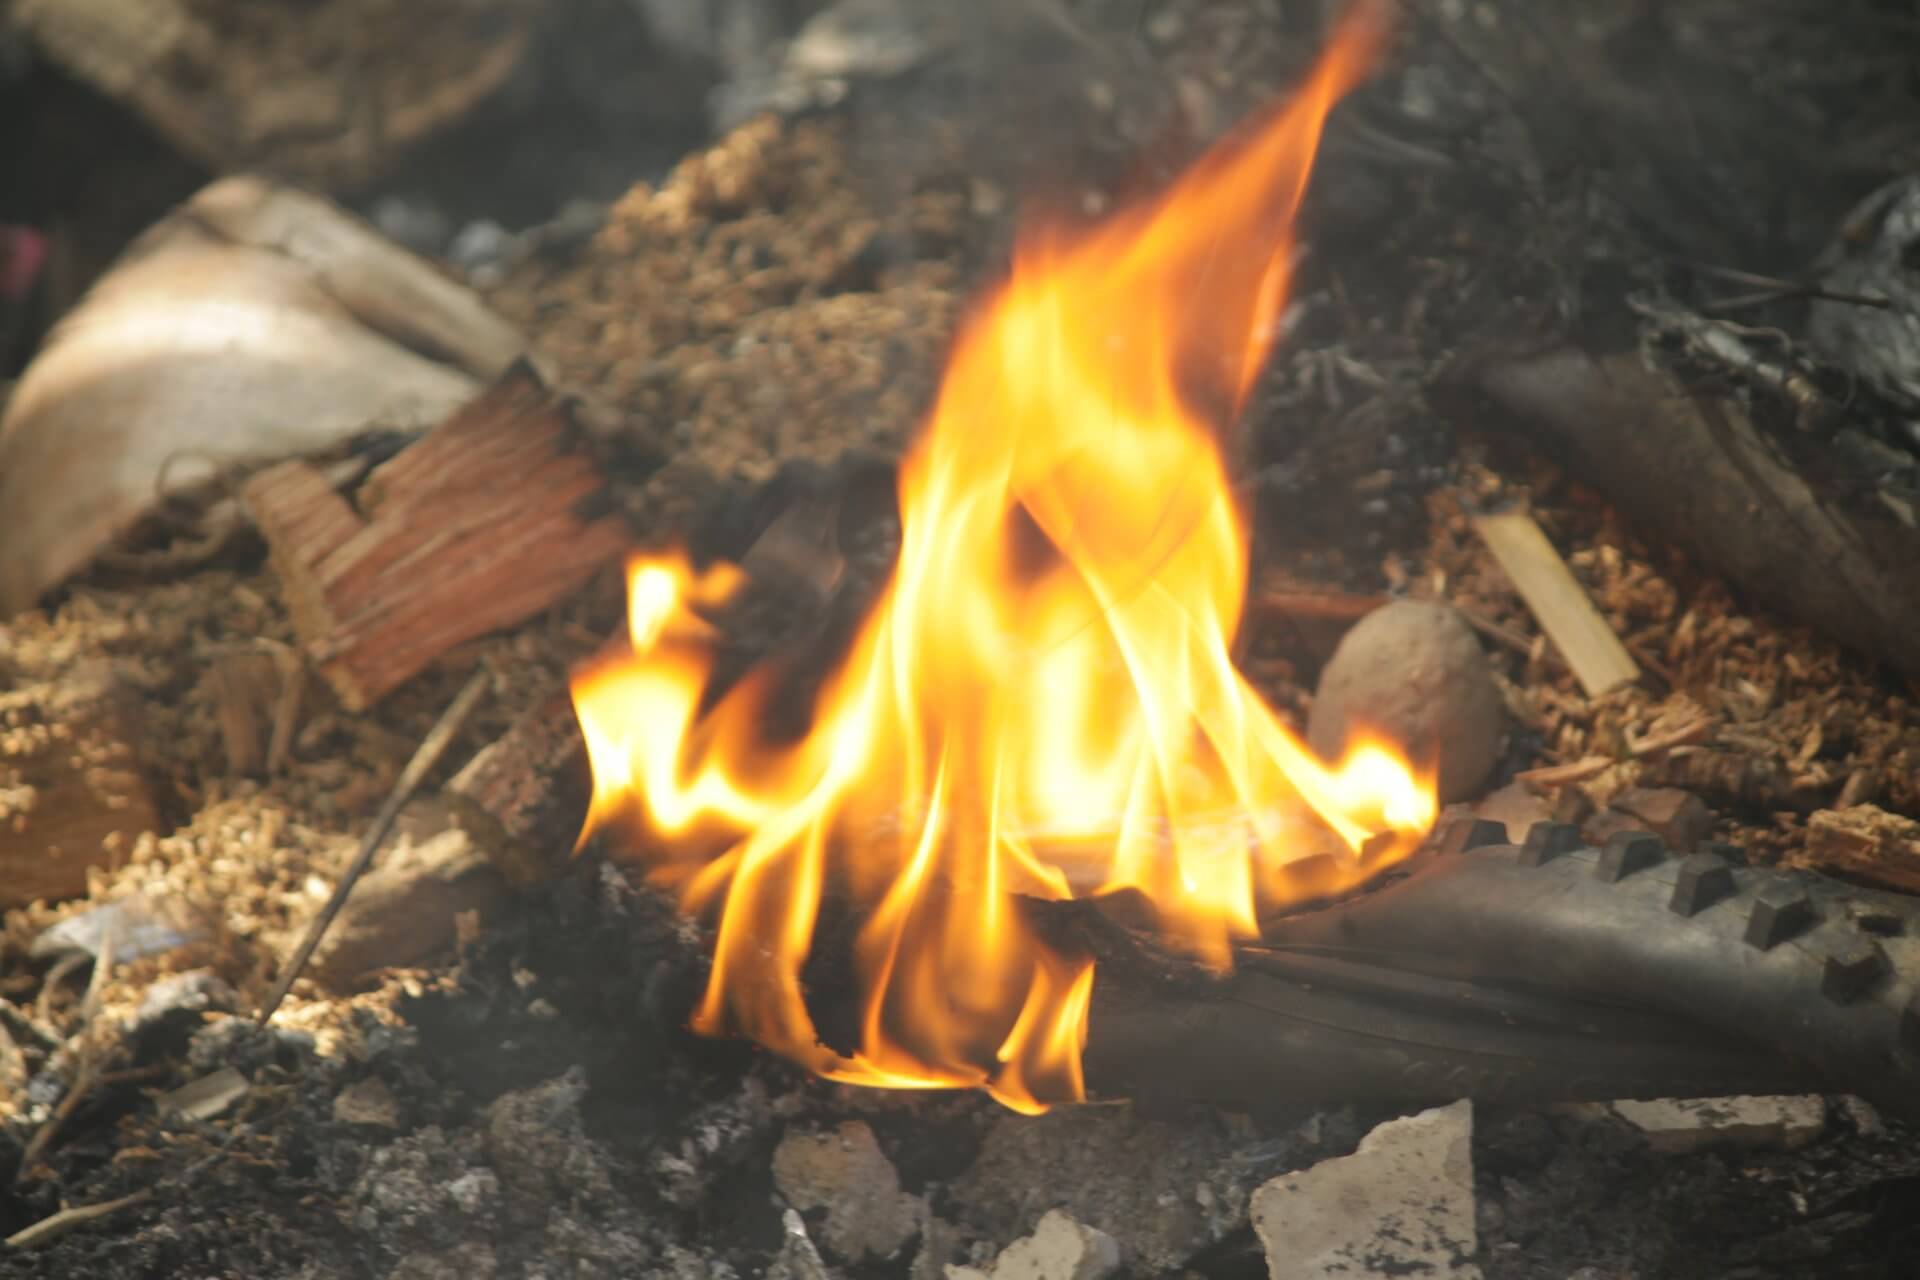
1681,1125
845,1173
367,1102
1402,1204
1059,1249
1413,672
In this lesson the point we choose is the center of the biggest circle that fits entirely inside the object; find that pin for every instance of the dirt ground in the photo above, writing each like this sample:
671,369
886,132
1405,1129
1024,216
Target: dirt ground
531,1105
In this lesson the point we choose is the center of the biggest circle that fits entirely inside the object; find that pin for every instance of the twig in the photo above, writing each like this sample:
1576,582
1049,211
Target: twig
1560,775
1773,288
428,755
84,1075
56,1225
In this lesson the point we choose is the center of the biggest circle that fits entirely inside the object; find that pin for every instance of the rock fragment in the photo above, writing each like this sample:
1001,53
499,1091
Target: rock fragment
1402,1204
845,1173
1414,672
367,1102
1059,1249
1682,1125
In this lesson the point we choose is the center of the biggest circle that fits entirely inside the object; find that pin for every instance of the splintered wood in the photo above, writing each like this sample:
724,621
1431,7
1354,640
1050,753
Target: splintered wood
491,517
1867,841
1593,652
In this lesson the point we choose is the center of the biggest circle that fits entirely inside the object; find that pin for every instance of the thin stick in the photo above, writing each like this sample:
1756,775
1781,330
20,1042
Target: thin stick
431,749
56,1225
1560,775
84,1075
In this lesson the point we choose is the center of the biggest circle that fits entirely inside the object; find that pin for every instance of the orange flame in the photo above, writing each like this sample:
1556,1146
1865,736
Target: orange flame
1042,703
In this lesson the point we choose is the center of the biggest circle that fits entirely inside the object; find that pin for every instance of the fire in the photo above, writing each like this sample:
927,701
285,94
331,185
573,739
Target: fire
1042,703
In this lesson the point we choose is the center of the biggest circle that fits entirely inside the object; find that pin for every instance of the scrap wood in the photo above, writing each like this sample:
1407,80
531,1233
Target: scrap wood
1564,610
73,790
1865,841
495,515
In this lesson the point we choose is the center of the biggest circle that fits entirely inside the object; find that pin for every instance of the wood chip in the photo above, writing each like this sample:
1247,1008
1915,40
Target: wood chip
1594,653
494,516
206,1097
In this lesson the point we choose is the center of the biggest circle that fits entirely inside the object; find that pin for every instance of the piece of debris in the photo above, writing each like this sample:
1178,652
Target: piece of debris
845,1173
1681,1125
1059,1249
293,91
73,791
510,798
1414,671
797,1259
404,910
1864,840
207,1097
1565,612
367,1102
253,323
489,519
1163,1188
139,926
1401,1204
1680,818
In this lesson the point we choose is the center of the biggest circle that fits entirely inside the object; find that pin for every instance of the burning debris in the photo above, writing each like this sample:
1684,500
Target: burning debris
965,706
1043,703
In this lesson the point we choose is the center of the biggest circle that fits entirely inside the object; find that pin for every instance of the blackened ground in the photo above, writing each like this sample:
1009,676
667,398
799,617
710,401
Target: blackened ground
542,1113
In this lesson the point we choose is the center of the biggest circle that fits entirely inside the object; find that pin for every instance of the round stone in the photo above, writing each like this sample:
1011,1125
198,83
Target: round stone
1414,673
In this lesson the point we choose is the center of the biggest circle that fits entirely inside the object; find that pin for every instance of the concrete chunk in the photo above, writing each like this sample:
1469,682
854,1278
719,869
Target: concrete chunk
846,1173
1681,1125
1400,1205
1060,1248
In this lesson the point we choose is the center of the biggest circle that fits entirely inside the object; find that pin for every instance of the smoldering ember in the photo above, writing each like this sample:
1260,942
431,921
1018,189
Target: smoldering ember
1023,640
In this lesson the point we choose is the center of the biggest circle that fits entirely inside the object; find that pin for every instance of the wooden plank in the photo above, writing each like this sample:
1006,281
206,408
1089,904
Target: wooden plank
1599,661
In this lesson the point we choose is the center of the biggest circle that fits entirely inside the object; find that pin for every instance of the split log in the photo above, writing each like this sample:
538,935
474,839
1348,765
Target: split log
72,792
496,514
1763,509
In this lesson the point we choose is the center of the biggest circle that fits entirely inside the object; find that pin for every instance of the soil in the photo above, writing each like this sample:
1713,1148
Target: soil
531,1104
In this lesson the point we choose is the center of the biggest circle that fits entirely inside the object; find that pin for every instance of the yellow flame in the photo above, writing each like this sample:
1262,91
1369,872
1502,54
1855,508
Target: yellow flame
1042,703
